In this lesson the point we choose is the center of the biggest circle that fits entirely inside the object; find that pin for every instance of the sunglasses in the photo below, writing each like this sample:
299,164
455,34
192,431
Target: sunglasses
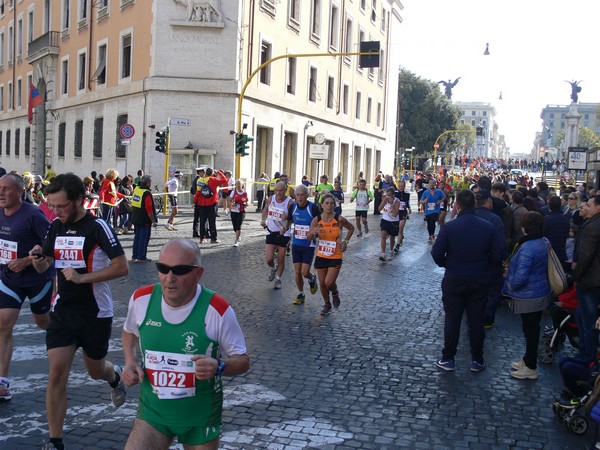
182,269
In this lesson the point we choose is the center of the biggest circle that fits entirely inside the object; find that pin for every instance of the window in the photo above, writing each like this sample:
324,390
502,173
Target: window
1,98
346,93
348,40
17,141
315,20
265,55
78,139
369,107
126,56
330,92
100,73
81,70
10,45
64,82
269,6
312,85
2,7
358,100
7,142
361,38
19,93
294,14
2,54
484,113
291,76
82,10
334,27
10,95
384,16
374,11
0,142
381,74
28,141
20,38
363,5
62,133
121,150
66,12
98,128
30,28
46,24
378,114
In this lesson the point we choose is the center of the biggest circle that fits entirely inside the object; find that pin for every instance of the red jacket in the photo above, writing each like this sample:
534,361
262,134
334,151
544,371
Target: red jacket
108,192
214,181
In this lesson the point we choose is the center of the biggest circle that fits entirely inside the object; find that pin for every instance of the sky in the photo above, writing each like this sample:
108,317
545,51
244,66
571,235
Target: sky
535,45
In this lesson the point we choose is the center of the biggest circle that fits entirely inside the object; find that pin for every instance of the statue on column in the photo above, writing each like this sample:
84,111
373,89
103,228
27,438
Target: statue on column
448,85
575,89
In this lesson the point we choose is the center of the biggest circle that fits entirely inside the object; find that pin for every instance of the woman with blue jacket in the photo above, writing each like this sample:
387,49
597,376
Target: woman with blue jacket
528,286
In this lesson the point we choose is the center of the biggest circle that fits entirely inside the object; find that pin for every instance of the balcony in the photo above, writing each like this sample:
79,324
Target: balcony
46,44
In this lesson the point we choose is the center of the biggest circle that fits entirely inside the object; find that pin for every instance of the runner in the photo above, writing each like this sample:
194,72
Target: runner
390,207
173,186
431,200
405,210
275,220
237,203
22,226
328,228
88,254
303,249
363,197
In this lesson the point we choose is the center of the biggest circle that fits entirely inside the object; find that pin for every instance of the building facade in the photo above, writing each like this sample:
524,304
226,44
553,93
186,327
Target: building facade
479,114
103,64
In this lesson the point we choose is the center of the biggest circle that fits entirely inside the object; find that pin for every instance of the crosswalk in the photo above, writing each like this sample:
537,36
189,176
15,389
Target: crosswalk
306,432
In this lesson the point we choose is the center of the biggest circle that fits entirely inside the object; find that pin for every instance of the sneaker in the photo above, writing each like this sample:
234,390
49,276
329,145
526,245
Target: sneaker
277,284
489,326
382,257
326,309
288,251
366,228
215,241
313,284
445,364
273,273
397,248
119,230
359,234
336,299
431,238
118,394
48,446
517,365
524,373
5,394
299,299
236,243
477,366
172,228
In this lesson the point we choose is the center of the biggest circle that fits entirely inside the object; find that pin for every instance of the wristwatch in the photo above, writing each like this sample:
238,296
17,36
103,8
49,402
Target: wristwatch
220,367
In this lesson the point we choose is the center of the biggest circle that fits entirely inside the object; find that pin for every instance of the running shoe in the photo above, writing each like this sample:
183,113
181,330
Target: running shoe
288,250
517,365
299,299
326,309
335,297
273,273
446,364
382,257
477,366
359,234
215,241
524,373
236,243
118,394
366,228
5,394
313,284
48,446
397,248
277,284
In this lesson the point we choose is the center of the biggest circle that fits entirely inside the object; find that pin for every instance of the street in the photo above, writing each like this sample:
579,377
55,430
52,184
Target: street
360,378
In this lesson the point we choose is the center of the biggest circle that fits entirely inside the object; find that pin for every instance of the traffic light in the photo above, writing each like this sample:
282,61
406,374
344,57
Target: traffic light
241,143
479,131
371,60
161,141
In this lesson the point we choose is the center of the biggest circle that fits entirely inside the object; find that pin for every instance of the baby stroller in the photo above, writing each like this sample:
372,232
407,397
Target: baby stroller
564,326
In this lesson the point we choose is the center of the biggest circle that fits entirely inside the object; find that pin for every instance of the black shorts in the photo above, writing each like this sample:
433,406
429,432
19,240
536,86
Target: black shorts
326,263
90,333
237,218
39,297
277,239
302,254
172,200
224,194
361,213
391,228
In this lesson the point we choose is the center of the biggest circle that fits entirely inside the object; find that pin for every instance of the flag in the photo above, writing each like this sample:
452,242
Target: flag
35,99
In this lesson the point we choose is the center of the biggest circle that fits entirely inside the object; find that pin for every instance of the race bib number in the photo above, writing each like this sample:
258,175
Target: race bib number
301,231
8,251
171,375
402,206
68,252
327,248
235,207
387,208
277,214
431,206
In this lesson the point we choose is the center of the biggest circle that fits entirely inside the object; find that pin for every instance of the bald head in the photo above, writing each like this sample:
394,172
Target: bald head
186,250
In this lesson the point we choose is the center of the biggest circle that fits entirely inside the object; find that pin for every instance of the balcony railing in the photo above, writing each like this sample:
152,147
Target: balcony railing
46,44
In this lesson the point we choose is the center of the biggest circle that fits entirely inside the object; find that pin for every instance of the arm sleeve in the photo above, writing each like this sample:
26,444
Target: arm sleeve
149,206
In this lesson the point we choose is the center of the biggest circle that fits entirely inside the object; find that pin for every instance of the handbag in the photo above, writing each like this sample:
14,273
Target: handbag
556,273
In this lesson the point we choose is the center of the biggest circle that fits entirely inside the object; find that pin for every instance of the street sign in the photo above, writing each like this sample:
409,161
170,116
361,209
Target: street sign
436,146
125,141
577,158
127,131
181,122
318,151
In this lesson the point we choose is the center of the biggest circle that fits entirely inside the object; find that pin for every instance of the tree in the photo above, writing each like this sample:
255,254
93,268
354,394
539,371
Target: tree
587,138
424,113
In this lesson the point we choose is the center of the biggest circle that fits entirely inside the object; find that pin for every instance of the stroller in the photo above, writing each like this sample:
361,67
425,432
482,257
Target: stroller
564,326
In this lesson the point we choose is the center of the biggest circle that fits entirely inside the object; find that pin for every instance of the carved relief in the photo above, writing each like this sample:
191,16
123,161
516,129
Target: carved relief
204,11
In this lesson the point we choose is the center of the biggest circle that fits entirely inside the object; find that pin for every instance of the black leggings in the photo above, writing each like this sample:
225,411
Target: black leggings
530,323
431,220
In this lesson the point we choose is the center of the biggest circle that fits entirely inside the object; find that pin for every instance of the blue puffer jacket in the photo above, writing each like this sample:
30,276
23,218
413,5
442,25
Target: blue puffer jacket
528,271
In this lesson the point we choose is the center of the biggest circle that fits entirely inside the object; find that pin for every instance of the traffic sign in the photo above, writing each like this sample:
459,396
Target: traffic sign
125,141
577,158
436,146
181,122
127,131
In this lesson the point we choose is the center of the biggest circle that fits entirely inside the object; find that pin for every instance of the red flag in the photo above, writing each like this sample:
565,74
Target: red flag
35,99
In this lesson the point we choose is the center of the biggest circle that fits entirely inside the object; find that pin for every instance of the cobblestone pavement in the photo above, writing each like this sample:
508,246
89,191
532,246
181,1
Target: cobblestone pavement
361,378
